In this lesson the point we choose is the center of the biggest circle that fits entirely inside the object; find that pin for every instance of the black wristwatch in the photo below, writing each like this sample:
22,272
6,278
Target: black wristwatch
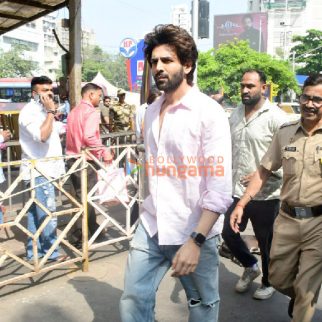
198,238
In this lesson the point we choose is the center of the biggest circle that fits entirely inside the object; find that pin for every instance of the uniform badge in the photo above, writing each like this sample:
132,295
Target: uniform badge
290,148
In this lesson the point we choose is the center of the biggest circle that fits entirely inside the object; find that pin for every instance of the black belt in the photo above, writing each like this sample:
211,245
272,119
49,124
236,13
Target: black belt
302,212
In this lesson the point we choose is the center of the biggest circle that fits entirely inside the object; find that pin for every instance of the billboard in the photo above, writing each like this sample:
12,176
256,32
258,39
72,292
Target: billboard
250,26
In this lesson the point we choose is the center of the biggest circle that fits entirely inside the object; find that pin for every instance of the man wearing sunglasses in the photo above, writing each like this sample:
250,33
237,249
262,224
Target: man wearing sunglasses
296,254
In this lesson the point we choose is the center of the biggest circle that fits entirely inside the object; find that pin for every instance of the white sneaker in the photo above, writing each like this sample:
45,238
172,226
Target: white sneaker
264,292
247,278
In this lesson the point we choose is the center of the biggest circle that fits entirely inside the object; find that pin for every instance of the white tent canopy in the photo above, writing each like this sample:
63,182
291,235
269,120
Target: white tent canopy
111,90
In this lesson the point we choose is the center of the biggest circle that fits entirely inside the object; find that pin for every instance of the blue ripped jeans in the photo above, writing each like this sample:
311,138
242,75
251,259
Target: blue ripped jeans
45,194
147,264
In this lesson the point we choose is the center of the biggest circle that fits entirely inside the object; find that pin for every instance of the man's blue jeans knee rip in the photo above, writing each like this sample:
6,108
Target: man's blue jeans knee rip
147,264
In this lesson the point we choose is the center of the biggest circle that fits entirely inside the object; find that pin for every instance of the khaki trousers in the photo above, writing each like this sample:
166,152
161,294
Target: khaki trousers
295,267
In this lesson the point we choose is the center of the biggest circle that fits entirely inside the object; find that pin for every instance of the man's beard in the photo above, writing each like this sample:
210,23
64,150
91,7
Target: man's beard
251,101
170,85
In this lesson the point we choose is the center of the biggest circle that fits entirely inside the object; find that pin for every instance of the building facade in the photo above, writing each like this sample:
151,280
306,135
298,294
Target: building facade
41,46
181,16
287,18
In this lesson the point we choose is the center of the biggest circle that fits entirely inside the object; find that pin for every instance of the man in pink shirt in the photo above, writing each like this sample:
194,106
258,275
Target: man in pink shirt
188,162
83,131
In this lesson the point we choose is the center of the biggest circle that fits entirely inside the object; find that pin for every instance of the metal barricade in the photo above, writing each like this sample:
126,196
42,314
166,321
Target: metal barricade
14,231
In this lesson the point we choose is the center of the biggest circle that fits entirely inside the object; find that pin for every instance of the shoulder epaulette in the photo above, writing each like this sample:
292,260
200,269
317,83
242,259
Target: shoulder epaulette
289,124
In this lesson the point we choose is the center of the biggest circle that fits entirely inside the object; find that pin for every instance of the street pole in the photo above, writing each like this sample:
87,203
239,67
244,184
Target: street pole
195,11
285,27
293,61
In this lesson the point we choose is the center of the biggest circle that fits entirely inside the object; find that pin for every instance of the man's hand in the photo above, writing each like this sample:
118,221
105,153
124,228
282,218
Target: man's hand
235,218
186,259
246,179
48,102
6,135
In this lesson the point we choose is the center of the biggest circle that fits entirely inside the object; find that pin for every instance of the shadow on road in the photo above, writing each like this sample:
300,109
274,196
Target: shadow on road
102,298
243,308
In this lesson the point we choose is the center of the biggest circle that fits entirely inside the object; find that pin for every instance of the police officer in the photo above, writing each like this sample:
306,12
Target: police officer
296,254
122,114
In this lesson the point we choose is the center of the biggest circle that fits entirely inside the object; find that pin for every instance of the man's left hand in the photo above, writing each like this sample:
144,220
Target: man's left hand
186,259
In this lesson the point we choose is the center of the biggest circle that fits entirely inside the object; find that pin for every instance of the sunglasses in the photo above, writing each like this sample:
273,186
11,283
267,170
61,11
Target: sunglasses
316,100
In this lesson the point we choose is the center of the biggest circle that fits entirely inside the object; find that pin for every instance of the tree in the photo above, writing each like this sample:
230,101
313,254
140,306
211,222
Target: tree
223,68
113,68
308,51
13,63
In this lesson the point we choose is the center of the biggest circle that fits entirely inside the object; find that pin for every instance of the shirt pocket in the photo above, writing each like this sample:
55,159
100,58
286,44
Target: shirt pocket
316,168
291,162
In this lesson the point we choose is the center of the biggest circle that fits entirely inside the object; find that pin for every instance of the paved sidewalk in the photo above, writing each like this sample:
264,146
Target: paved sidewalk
74,296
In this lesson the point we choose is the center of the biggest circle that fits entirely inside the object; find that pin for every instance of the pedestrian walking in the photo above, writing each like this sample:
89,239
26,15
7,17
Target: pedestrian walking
253,125
295,267
187,146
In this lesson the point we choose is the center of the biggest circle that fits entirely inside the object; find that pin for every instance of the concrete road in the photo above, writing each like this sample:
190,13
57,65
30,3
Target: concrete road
74,296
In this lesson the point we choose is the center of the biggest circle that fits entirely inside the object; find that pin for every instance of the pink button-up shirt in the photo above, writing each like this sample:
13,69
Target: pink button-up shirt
83,130
188,166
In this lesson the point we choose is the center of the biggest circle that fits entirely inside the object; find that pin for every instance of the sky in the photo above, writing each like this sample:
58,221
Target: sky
114,20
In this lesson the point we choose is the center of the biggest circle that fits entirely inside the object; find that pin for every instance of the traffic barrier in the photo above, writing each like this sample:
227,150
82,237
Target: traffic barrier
14,266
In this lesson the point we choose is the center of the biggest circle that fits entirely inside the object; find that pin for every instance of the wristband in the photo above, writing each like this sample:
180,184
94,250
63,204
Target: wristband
51,112
239,205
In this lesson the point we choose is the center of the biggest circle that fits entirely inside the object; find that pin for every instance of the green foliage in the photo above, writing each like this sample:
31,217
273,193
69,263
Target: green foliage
223,68
14,64
307,51
113,68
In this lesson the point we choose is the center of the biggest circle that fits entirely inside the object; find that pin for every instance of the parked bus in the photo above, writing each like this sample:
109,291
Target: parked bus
15,90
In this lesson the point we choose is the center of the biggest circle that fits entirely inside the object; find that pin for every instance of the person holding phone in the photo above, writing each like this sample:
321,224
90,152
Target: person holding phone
39,139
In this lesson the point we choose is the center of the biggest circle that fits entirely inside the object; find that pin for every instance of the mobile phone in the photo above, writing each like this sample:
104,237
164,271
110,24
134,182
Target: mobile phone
37,98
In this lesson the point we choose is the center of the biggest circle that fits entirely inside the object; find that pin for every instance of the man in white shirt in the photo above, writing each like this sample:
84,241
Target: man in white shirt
188,163
39,138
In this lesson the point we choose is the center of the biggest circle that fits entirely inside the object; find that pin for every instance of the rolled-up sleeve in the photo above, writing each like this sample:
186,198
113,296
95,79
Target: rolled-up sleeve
272,159
216,150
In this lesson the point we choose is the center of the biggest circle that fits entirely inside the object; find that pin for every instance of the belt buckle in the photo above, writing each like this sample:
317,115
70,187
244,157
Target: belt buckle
303,212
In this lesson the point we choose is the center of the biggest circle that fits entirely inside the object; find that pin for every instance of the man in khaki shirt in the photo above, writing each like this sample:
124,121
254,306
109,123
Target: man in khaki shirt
122,114
296,254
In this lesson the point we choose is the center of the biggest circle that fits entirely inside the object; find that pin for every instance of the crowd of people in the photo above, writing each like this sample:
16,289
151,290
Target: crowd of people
255,166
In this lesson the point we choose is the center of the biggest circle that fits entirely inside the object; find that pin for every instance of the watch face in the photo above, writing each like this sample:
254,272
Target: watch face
198,238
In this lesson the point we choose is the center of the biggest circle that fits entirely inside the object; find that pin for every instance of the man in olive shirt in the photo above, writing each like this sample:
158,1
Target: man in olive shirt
122,114
296,254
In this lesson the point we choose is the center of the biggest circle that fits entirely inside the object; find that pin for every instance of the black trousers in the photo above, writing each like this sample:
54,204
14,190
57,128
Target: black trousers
262,215
91,181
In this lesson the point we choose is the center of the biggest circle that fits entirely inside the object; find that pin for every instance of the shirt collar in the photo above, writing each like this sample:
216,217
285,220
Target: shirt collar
186,101
83,102
299,126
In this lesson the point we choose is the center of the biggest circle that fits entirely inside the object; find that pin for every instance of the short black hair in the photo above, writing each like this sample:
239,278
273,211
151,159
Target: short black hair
260,73
90,87
154,93
176,38
107,97
313,80
40,80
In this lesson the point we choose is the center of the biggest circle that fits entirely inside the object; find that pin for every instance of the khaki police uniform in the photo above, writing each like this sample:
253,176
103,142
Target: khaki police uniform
122,116
296,254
